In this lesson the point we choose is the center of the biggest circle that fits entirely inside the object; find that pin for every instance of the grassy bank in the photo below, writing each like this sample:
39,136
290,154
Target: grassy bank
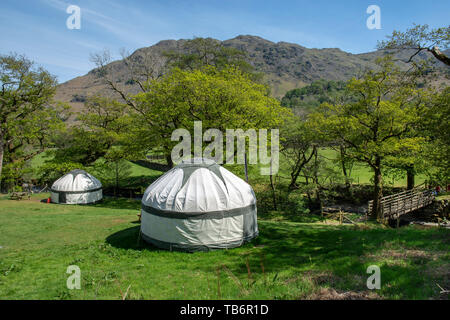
289,260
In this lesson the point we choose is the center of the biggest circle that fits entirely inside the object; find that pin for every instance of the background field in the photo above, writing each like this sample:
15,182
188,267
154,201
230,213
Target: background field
360,174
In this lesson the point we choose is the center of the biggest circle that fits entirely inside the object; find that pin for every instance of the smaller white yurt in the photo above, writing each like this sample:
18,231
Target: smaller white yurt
76,187
198,206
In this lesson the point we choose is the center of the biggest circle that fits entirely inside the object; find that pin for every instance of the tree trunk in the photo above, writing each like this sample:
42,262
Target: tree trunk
294,177
440,56
117,178
308,192
344,170
378,190
274,197
1,160
319,201
316,181
410,178
299,167
246,167
169,160
272,185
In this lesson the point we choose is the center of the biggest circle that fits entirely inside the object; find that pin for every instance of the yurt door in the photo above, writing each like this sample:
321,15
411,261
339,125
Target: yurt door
62,197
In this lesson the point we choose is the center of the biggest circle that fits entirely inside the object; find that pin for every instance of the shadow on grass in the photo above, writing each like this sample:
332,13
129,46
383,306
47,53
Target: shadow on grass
119,203
129,239
287,216
289,244
331,255
340,254
142,181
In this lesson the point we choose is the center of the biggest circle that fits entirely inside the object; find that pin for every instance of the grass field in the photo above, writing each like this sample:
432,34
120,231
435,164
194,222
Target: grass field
135,170
289,260
360,174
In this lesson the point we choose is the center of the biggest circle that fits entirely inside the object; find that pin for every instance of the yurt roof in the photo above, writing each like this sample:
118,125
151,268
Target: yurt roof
198,185
76,181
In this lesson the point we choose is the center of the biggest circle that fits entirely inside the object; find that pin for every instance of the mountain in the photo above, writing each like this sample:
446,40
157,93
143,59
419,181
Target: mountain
285,66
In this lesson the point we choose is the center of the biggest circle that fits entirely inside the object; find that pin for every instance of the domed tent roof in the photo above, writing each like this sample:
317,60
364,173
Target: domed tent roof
76,187
199,205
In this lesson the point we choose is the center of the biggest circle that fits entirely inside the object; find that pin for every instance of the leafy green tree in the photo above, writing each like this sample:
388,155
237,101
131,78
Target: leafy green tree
112,170
378,124
420,38
26,115
307,99
220,98
298,145
410,161
76,144
320,177
50,171
200,52
144,67
437,151
99,128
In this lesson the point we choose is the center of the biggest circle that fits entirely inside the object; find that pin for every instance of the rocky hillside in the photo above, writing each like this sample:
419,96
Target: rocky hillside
285,66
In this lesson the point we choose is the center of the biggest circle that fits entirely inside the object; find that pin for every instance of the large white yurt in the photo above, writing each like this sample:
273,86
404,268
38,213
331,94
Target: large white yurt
198,206
76,187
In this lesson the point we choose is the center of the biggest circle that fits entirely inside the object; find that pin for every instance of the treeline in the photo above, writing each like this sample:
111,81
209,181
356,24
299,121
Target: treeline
306,99
207,82
384,121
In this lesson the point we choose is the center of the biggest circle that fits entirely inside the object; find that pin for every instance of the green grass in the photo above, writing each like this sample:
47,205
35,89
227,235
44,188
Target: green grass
135,169
300,260
139,175
360,174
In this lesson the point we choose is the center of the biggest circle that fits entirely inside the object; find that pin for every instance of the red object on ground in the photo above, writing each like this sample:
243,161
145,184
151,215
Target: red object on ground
48,200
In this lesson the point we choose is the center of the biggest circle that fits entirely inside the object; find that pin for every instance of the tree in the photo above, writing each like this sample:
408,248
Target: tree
50,171
147,70
298,146
377,125
26,114
411,161
99,127
200,52
306,99
435,126
112,170
221,99
320,177
420,38
144,66
80,145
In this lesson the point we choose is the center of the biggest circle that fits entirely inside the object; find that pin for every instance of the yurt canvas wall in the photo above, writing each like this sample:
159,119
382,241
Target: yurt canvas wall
76,187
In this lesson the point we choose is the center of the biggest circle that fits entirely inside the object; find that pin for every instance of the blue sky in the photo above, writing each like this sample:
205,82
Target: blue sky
37,28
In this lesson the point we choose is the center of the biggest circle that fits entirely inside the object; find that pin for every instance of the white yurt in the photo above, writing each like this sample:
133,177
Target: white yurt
76,187
198,206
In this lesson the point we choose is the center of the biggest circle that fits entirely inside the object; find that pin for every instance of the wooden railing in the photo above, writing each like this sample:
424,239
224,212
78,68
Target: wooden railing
398,204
